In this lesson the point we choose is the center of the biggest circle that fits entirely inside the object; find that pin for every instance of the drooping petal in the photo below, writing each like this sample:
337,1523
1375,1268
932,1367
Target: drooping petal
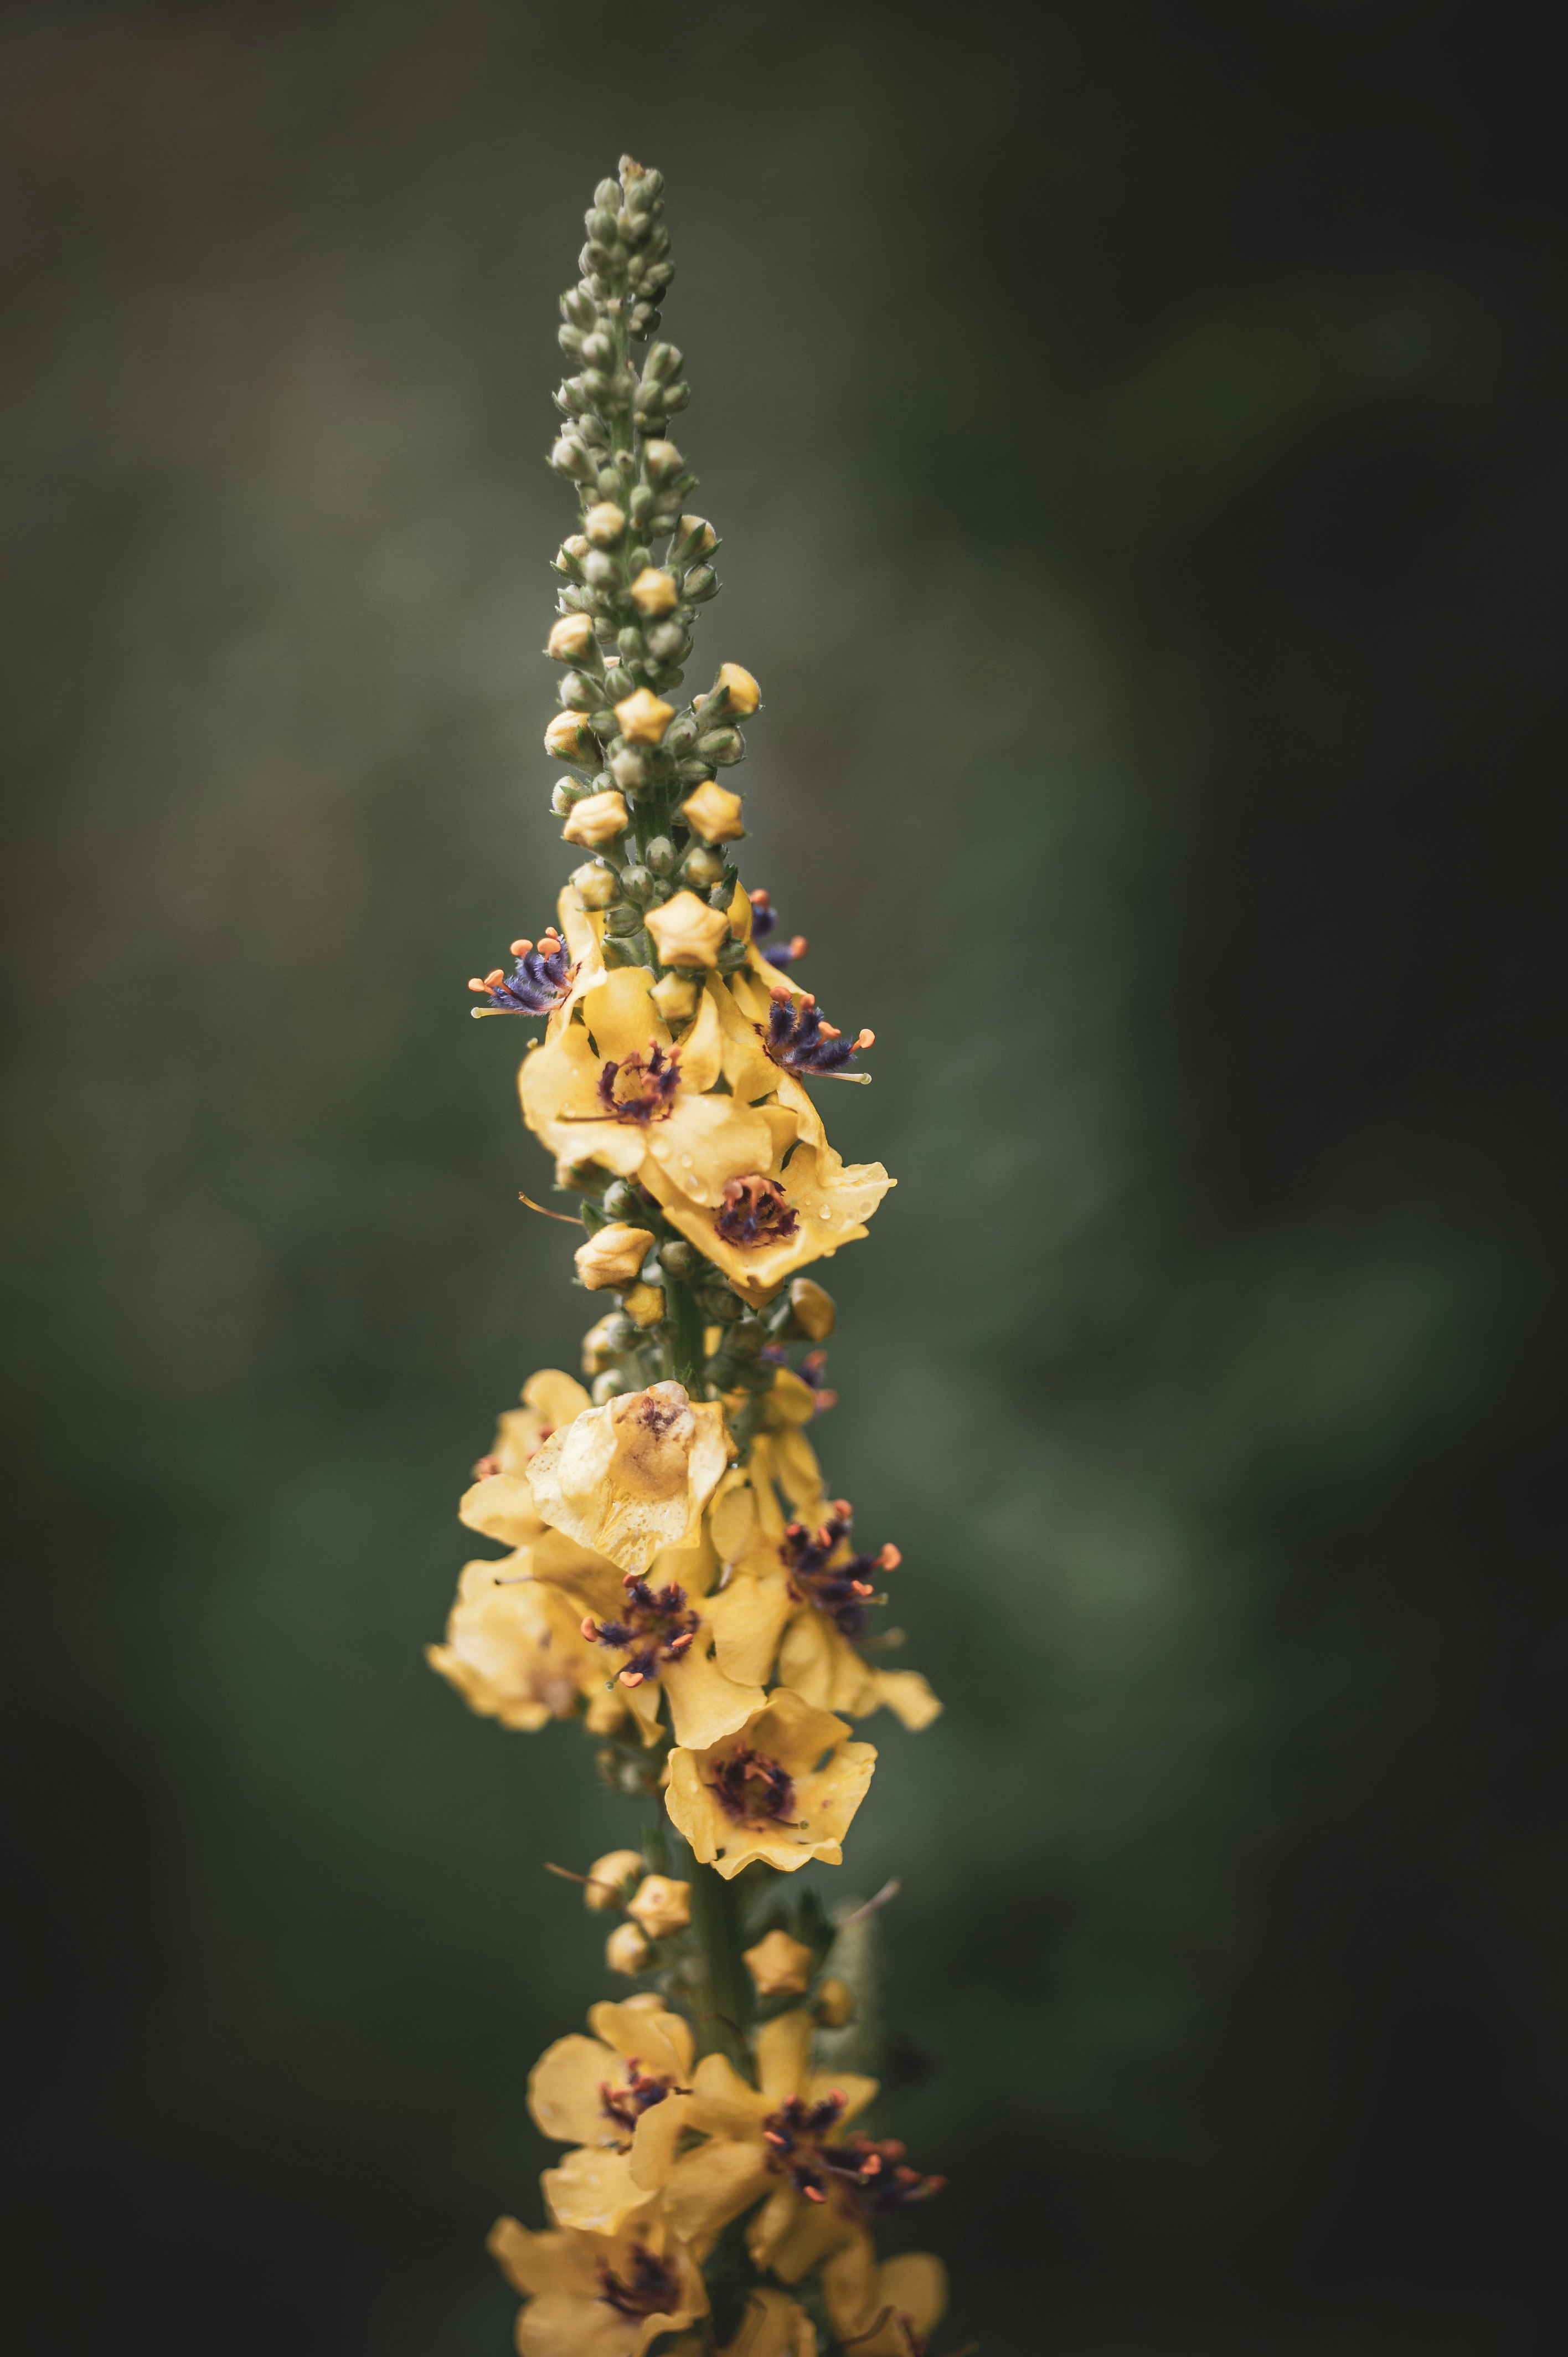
534,2263
502,1507
773,2325
747,1617
817,1664
705,1703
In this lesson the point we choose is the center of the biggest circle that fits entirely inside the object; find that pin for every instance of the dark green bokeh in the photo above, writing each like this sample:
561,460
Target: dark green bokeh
1136,434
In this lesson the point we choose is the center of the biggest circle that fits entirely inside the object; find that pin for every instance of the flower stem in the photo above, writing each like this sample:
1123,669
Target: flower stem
684,1343
723,2000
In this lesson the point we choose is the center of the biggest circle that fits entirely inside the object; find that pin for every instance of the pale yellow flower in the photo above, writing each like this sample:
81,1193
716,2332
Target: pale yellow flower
622,2095
767,2140
714,813
633,1477
614,1089
514,1648
599,2295
784,1788
686,931
597,819
612,1256
888,2310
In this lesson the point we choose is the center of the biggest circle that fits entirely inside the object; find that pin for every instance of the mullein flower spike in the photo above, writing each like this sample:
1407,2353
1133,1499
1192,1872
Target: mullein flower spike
675,1576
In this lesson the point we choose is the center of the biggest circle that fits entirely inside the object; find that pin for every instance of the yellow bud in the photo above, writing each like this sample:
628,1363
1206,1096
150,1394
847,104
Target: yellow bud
596,1348
745,695
741,913
814,1308
714,813
686,931
662,1906
642,719
834,2008
598,818
608,1875
613,1257
595,884
653,593
780,1965
571,639
605,523
625,1950
675,996
699,533
570,739
645,1303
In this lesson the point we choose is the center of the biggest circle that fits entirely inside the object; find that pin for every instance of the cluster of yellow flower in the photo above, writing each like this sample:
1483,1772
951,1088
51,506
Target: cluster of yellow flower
676,1576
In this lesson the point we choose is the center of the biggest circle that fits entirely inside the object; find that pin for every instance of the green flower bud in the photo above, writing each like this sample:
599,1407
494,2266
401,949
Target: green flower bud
680,735
579,307
638,884
563,794
695,537
618,683
702,868
622,1200
724,746
577,694
681,1259
661,460
700,583
630,768
660,856
569,457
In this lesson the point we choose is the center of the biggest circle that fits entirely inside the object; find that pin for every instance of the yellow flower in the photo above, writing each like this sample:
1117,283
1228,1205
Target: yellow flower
514,1648
760,1791
608,1877
796,1592
653,593
661,1905
814,1312
686,931
645,1304
658,1640
675,996
500,1503
612,1256
885,2311
622,2096
633,1477
642,718
714,813
599,2295
614,1089
779,1965
595,819
770,2141
570,739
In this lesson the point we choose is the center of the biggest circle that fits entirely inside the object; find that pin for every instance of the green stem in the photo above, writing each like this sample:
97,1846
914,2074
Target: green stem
723,1998
683,1343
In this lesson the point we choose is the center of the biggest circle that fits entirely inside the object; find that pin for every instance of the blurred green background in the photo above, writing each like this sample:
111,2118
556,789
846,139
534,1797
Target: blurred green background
1138,433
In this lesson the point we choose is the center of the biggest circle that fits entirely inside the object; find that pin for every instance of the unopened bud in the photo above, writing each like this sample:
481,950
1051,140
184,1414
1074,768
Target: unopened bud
605,523
660,856
614,1256
703,868
686,933
608,1877
695,537
563,794
700,583
675,995
834,2006
598,818
629,767
662,460
779,1965
654,593
813,1309
568,738
625,1950
645,1304
741,690
571,639
662,1906
595,884
569,457
599,1346
680,735
642,719
714,813
723,746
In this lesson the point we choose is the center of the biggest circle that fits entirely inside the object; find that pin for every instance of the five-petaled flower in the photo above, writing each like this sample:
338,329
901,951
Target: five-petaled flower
593,2295
784,1788
621,2097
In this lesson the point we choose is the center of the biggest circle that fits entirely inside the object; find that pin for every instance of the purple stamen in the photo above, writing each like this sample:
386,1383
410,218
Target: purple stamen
541,982
797,1038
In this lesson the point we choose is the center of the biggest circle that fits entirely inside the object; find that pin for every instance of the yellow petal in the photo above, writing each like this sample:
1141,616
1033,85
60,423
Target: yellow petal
686,931
653,2143
704,1705
551,2262
593,2189
620,1017
816,2229
633,1476
722,2103
747,1617
711,2186
556,1398
564,2092
791,1731
590,1580
773,2325
821,1666
850,2284
799,1475
783,2055
643,2026
916,2283
907,1696
704,1142
501,1508
558,2327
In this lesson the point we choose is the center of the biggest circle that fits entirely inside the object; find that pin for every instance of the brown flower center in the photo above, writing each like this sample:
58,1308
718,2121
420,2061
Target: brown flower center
753,1789
626,2105
649,2289
755,1210
641,1087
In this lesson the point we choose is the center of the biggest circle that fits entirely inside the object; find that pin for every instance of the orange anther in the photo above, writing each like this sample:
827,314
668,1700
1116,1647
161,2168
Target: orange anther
520,949
866,1040
494,976
631,1677
475,983
890,1557
799,945
590,1628
832,1031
